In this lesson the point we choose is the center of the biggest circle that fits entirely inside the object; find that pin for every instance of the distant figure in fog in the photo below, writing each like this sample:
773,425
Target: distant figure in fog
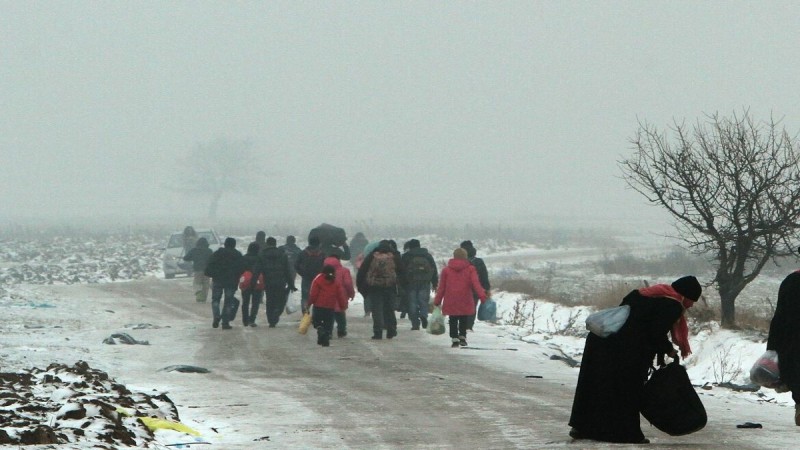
199,257
357,244
225,267
261,238
784,336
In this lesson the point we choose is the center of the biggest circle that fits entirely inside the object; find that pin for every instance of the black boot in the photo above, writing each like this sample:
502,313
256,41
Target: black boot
390,333
377,335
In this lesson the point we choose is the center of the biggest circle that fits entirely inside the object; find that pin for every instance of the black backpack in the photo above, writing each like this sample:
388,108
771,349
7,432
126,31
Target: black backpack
670,402
419,270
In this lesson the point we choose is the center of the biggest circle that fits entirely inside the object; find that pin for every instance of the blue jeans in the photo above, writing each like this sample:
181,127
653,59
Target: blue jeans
418,298
216,295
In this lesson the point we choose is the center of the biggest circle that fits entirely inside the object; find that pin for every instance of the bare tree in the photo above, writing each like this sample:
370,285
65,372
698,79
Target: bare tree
733,186
213,169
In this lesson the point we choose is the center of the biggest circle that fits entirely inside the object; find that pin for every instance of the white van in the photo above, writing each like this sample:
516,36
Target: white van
173,262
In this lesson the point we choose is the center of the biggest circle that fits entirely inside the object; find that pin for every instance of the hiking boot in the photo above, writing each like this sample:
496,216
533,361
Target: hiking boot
414,327
455,343
424,322
226,326
391,333
462,341
377,335
575,434
252,325
326,343
341,334
272,325
215,323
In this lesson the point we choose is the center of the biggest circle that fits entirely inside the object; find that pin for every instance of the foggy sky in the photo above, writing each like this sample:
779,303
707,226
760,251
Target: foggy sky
459,110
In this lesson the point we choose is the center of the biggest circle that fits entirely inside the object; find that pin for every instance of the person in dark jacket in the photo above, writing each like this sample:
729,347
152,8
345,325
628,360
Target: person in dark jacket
420,276
614,369
199,257
253,294
784,336
309,264
225,267
273,264
292,252
378,279
483,273
261,237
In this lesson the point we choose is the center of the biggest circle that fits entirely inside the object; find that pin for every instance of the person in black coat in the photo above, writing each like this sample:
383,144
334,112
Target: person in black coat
253,294
199,257
273,264
483,275
784,336
225,267
614,369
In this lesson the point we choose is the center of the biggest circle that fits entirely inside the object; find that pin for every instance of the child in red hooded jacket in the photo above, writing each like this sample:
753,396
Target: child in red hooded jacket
326,296
457,283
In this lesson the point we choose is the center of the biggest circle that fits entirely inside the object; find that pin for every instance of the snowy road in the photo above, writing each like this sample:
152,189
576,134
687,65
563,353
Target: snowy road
273,388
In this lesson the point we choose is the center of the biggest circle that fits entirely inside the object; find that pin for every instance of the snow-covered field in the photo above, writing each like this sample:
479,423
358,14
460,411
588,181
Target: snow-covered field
43,382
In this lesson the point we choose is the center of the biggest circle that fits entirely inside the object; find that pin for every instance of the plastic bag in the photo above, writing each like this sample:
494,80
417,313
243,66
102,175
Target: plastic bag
608,321
488,310
766,372
436,325
305,324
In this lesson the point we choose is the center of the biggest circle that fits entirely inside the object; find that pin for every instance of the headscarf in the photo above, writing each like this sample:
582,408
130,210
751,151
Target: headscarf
680,330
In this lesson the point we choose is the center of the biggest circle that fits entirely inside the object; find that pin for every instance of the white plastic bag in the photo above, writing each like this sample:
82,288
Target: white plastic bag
606,322
436,325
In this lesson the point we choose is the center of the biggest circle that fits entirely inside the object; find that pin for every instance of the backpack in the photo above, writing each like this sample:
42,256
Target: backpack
247,277
419,270
382,270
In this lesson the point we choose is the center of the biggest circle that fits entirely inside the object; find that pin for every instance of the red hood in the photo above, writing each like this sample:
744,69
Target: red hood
458,264
332,261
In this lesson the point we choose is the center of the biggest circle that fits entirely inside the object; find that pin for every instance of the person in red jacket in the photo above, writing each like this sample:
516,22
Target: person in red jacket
457,283
326,295
342,275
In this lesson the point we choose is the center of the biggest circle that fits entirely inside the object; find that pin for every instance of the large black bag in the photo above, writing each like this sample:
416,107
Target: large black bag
329,235
670,402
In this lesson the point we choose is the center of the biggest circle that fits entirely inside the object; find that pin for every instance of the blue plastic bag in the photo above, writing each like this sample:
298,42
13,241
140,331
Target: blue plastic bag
488,310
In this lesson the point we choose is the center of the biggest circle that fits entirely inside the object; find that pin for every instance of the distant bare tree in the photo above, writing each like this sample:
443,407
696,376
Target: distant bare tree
733,186
213,169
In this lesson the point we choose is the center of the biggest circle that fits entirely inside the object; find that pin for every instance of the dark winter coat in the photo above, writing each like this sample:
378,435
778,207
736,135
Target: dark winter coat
199,256
225,267
614,369
483,273
457,285
274,265
407,259
342,252
309,262
784,331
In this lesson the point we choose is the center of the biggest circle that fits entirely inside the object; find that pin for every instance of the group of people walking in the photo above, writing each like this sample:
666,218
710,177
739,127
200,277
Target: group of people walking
388,280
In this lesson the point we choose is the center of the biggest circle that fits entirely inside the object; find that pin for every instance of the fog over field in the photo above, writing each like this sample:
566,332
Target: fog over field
446,112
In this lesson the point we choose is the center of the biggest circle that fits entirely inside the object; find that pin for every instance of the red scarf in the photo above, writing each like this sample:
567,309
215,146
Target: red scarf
680,331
